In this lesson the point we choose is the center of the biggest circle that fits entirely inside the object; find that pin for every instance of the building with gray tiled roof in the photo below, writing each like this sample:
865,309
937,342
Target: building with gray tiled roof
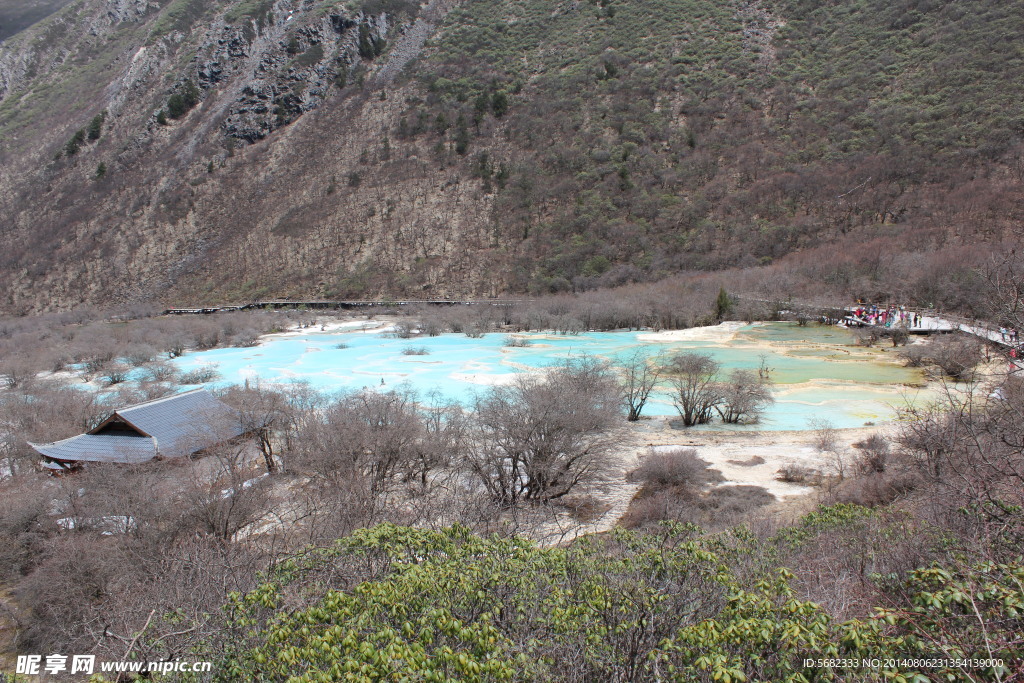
173,426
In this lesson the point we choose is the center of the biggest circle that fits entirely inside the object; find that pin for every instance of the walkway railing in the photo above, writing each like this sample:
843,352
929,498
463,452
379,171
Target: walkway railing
345,305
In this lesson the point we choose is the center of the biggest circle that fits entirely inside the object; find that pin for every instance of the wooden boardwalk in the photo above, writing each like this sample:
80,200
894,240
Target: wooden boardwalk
352,304
932,324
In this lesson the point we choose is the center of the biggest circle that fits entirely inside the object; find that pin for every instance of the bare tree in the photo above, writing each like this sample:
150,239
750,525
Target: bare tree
957,355
46,413
367,435
538,438
826,442
640,374
971,449
225,494
444,437
696,391
744,397
18,371
262,413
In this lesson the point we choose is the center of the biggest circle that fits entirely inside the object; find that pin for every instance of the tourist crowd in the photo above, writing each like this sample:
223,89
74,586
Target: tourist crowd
887,317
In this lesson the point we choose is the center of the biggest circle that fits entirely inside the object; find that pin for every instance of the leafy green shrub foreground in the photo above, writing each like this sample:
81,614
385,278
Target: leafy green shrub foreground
399,604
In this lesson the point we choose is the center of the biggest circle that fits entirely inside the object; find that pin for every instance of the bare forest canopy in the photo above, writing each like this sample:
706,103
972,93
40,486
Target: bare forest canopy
193,153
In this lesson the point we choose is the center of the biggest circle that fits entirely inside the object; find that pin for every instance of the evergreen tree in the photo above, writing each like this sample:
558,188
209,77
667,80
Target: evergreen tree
461,136
180,103
75,143
499,103
723,304
96,126
441,124
366,46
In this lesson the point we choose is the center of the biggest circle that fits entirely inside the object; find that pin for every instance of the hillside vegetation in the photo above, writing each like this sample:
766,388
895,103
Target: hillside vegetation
532,146
673,606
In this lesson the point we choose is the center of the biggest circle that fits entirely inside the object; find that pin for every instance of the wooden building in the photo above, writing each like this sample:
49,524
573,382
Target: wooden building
173,426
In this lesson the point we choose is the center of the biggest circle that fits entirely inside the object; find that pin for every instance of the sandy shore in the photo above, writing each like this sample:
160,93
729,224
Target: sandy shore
722,332
750,458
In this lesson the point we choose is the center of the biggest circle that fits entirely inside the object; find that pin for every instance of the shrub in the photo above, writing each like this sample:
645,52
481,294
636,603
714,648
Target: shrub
246,339
956,355
400,331
799,474
182,102
914,355
415,351
875,489
516,342
874,453
115,373
160,371
674,467
139,354
734,501
311,56
200,375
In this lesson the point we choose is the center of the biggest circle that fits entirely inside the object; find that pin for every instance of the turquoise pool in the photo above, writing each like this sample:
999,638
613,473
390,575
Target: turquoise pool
819,372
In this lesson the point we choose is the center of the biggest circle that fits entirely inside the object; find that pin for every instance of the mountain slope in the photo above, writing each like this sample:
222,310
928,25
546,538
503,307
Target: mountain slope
17,15
253,148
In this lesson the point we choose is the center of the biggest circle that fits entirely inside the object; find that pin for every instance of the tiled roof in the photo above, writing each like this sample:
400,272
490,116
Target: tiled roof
174,425
184,423
100,448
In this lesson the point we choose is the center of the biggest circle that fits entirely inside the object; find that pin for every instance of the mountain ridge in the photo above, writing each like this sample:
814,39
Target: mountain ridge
532,146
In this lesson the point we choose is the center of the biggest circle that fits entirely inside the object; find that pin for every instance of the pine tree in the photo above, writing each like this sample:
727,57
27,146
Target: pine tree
96,126
461,136
75,143
723,304
366,45
499,103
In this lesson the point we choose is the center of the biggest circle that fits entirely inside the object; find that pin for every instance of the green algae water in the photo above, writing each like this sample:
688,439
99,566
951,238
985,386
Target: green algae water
818,371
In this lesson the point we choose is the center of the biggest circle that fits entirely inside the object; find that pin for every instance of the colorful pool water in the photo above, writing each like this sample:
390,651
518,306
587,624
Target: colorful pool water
818,371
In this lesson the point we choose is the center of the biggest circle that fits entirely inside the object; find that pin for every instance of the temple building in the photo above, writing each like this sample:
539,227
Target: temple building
173,426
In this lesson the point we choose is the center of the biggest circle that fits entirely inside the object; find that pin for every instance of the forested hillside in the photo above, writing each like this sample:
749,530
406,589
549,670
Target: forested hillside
196,152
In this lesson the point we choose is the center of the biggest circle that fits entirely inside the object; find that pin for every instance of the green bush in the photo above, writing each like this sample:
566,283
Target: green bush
182,102
444,605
